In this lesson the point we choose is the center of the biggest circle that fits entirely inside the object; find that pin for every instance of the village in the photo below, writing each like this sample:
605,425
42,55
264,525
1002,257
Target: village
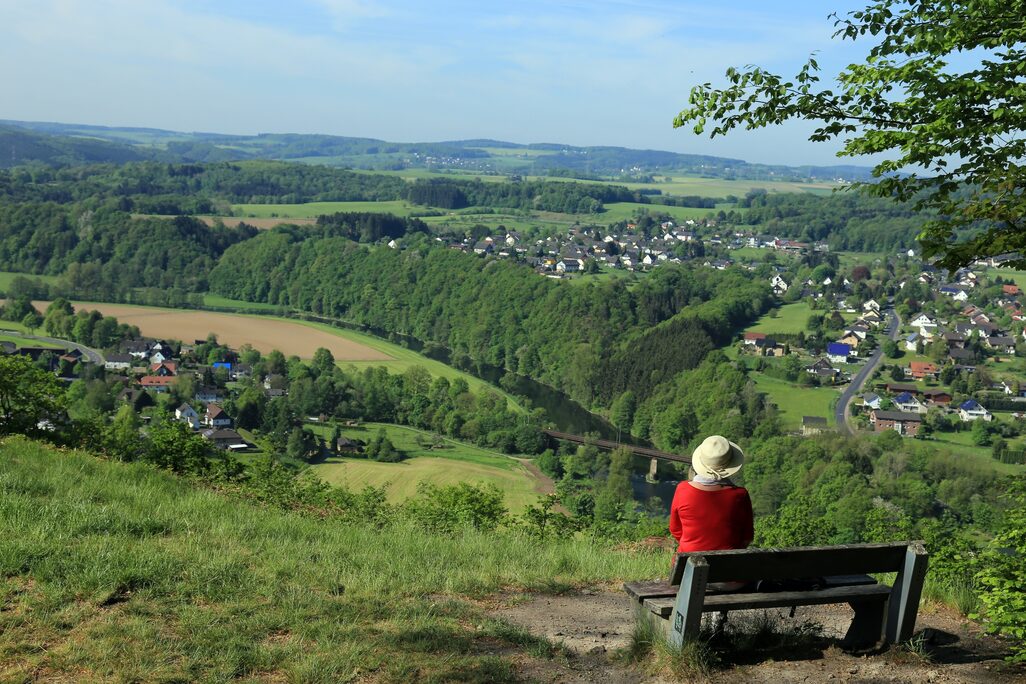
951,357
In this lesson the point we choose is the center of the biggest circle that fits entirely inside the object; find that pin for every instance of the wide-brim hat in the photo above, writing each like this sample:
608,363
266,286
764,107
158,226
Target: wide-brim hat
717,457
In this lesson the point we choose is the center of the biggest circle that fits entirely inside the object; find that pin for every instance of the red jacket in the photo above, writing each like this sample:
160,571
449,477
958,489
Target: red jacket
705,520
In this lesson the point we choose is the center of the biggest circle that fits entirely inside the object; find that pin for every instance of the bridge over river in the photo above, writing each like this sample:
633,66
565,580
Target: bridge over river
647,452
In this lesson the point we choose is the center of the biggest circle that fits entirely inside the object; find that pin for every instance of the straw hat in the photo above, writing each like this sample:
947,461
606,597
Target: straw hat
717,457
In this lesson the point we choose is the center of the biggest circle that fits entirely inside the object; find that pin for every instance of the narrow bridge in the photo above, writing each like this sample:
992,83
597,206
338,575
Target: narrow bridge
654,454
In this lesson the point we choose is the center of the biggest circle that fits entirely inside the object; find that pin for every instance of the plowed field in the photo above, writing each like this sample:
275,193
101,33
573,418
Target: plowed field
234,330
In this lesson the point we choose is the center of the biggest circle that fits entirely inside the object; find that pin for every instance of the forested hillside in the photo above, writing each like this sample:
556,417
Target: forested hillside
847,221
501,313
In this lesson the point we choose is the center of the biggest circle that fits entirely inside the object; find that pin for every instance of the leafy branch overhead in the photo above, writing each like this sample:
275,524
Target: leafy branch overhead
940,95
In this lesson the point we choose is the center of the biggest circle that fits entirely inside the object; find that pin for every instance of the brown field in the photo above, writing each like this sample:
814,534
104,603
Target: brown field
233,221
259,223
233,330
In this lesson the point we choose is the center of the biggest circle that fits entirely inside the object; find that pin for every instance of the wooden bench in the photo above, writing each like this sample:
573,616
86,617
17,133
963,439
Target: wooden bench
881,611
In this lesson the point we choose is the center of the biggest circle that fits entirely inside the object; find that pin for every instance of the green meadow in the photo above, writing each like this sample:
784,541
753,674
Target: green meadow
6,277
219,302
448,463
795,401
789,318
315,209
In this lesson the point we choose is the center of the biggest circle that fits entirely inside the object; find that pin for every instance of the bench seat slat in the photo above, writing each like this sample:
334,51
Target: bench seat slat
640,591
663,606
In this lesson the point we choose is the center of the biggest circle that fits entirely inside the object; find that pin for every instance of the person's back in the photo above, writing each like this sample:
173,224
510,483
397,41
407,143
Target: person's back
711,518
709,512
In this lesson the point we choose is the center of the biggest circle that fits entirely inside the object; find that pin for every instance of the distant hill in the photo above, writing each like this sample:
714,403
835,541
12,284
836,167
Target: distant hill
59,143
20,146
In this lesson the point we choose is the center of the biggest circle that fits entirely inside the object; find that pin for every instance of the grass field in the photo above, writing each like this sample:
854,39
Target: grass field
26,342
7,276
120,572
719,187
795,401
218,301
789,318
454,462
623,211
961,443
12,325
1007,274
315,209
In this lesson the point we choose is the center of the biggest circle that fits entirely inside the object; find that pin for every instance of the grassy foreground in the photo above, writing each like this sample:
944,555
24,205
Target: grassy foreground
121,572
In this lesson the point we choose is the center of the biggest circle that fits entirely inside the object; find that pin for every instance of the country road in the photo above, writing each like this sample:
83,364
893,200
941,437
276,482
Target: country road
91,354
841,411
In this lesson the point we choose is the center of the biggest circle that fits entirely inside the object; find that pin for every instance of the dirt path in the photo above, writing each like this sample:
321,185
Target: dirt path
594,625
543,483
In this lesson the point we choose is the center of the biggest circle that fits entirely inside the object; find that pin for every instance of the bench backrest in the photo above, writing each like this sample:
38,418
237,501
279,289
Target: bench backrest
744,565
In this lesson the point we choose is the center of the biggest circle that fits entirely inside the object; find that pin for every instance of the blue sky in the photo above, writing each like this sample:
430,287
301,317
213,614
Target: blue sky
575,72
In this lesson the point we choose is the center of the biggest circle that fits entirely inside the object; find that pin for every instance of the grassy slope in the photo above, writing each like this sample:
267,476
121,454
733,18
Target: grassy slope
795,401
789,318
315,209
455,462
120,572
26,342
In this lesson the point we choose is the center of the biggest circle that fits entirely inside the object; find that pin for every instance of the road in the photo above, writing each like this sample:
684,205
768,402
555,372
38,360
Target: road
92,355
855,386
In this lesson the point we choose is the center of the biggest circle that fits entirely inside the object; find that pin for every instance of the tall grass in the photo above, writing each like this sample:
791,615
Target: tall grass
121,571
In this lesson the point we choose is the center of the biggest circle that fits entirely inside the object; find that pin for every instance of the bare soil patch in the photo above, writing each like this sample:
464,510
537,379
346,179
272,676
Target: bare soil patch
260,223
234,221
593,625
234,330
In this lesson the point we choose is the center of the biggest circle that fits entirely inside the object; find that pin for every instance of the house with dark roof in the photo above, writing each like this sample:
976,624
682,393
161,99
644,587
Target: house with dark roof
216,417
899,387
937,396
118,361
899,421
970,410
814,425
838,352
225,439
907,402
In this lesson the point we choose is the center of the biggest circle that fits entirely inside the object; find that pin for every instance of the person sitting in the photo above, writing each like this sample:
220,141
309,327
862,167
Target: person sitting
709,512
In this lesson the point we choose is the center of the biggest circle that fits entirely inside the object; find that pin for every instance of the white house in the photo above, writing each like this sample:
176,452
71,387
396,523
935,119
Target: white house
871,400
118,362
778,284
907,402
923,321
216,417
871,305
911,342
970,410
187,414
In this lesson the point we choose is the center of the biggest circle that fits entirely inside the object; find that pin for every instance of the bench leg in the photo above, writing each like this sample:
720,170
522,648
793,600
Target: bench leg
686,618
867,627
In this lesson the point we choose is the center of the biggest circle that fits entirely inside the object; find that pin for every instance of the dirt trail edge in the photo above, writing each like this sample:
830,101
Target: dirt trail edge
596,624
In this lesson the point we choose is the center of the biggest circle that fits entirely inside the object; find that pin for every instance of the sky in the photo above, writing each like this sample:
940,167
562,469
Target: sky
604,72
